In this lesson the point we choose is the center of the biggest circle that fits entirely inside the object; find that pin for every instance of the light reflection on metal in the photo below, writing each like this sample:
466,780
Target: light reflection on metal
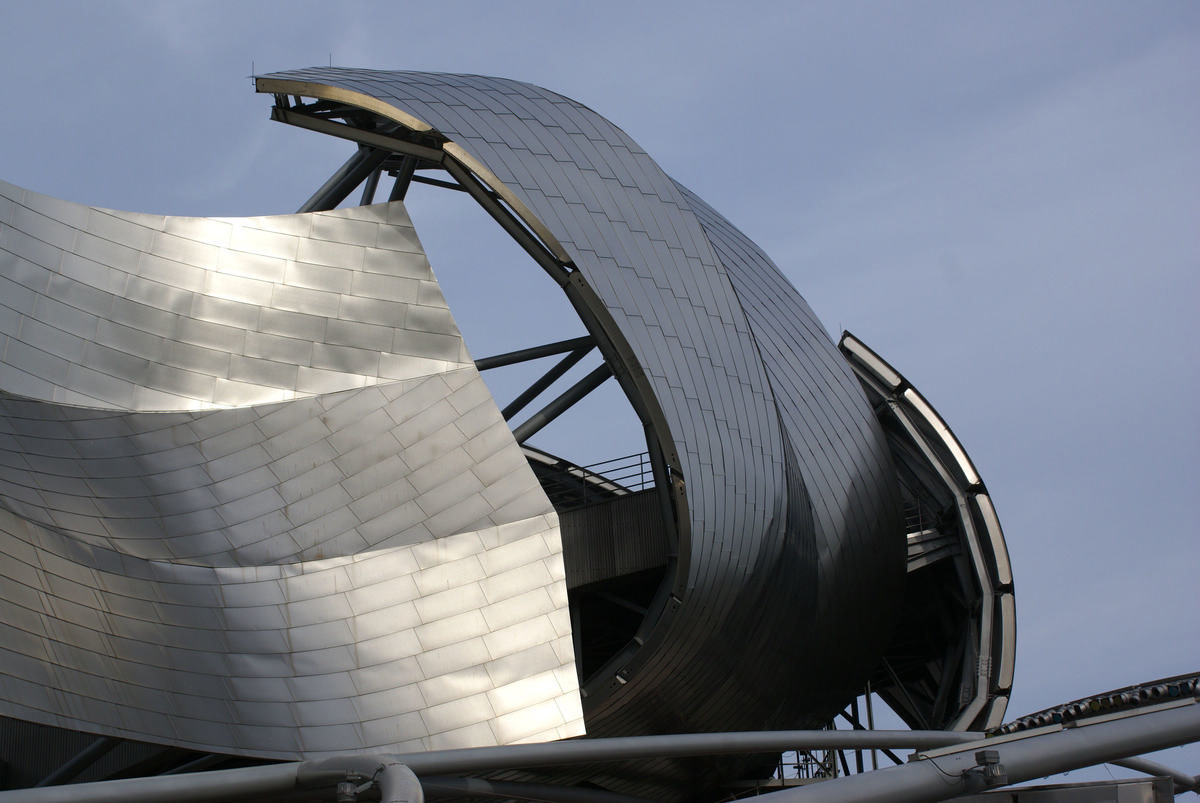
295,429
257,498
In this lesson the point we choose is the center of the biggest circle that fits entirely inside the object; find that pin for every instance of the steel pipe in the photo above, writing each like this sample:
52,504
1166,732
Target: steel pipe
943,775
273,779
361,164
536,422
1183,781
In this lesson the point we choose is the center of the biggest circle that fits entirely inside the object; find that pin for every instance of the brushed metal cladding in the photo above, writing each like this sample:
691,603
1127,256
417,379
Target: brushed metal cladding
246,508
813,383
256,499
132,311
787,472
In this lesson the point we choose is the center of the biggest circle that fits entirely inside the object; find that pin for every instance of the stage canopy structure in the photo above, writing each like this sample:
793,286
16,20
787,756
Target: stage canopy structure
260,499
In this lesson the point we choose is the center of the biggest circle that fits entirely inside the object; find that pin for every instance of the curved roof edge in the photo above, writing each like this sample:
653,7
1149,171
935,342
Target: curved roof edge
928,453
286,84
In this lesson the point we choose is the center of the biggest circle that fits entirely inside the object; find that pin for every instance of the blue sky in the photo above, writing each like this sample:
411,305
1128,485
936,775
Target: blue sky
1002,199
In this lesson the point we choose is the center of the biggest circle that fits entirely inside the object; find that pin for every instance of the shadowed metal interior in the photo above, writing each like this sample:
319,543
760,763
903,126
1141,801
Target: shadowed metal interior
293,445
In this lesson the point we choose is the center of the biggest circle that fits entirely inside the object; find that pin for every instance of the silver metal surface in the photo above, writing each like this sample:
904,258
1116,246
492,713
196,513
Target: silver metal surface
784,478
943,768
281,778
263,442
255,500
1182,780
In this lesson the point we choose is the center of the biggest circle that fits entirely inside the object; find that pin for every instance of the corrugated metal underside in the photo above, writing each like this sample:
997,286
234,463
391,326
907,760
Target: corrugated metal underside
792,553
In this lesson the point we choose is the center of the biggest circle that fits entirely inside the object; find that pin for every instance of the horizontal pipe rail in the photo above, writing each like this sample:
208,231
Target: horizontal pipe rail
1025,756
275,779
1183,781
948,766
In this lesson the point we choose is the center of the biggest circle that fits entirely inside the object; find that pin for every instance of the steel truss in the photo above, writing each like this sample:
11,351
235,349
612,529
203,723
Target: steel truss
404,151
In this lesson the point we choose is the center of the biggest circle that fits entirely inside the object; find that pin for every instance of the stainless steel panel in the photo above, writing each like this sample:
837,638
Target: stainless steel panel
784,463
203,576
430,535
255,240
319,277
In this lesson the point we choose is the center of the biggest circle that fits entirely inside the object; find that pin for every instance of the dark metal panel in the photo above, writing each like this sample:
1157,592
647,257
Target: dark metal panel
719,412
613,538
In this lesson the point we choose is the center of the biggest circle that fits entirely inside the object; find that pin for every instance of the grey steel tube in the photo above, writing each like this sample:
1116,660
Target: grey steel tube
368,193
543,382
1183,781
534,352
508,790
194,787
583,751
404,175
360,165
202,787
534,424
399,784
949,775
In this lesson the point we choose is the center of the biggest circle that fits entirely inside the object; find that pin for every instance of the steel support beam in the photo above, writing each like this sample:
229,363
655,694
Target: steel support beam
934,775
584,751
546,380
194,787
507,790
368,193
1183,781
86,757
397,783
276,779
404,177
536,422
534,353
438,182
372,139
197,765
1024,756
360,165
